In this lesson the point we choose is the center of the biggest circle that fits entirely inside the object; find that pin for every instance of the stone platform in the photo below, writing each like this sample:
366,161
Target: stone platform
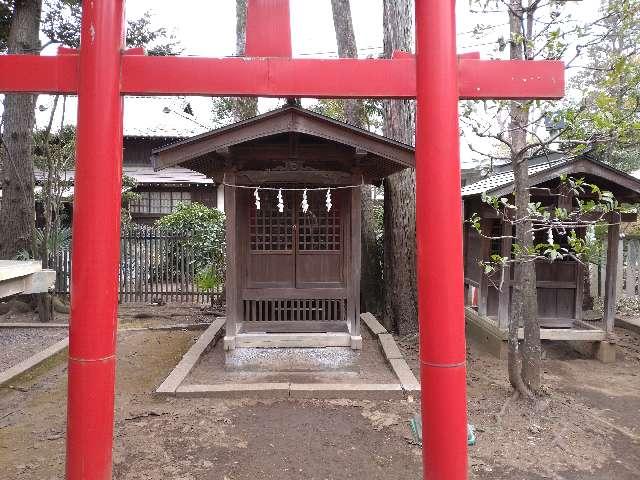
376,371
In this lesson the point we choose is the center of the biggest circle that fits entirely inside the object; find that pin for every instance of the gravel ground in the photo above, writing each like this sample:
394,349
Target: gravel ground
18,344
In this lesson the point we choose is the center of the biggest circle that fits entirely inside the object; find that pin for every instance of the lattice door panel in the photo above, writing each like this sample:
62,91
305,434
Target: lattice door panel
319,229
269,229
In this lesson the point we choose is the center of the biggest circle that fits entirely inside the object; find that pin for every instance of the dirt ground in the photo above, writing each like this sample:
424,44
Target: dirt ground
132,315
585,429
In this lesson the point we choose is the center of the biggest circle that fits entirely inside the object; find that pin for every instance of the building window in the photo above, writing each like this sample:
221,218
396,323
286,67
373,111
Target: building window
159,203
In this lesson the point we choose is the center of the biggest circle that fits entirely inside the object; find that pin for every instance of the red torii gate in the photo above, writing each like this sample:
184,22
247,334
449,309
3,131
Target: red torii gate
102,72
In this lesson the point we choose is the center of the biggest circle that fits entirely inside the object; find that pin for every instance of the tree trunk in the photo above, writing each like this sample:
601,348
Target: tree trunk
400,293
371,276
17,209
524,302
45,300
243,107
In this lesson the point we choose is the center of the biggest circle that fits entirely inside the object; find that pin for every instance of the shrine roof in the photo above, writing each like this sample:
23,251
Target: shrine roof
380,156
144,117
165,117
146,175
605,176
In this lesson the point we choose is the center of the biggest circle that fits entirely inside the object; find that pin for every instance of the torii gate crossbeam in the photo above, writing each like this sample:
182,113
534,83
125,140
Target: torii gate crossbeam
436,76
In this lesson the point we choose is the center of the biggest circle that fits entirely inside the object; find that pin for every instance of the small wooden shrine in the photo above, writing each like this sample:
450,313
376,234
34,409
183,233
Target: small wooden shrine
293,184
560,284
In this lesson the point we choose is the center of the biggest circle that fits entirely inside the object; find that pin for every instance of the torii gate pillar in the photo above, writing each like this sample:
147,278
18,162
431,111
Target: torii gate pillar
96,244
439,244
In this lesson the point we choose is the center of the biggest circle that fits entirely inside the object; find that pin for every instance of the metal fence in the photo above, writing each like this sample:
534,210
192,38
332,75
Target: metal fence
155,264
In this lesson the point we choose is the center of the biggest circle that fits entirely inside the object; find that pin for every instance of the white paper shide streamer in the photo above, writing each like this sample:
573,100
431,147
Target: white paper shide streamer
305,199
280,201
256,194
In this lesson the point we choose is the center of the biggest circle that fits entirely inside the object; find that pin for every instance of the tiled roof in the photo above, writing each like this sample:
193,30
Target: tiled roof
494,182
173,175
166,117
146,175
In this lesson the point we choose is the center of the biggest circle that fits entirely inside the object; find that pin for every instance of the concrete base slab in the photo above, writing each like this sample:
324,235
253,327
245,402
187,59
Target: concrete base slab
605,352
229,342
287,360
632,324
489,339
292,340
230,371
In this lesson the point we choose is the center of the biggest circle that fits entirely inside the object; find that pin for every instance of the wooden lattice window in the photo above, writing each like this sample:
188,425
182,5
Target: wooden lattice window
319,229
159,202
268,228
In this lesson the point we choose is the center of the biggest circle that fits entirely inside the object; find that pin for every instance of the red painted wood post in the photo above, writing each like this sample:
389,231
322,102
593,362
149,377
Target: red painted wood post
268,29
96,244
439,243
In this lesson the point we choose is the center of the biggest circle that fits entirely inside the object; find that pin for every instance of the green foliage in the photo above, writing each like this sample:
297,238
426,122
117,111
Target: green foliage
228,110
157,41
378,215
210,278
62,19
6,8
59,239
372,113
128,195
559,225
55,150
607,116
206,229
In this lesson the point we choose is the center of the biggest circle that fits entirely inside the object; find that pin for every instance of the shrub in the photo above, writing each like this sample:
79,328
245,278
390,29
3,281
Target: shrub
205,229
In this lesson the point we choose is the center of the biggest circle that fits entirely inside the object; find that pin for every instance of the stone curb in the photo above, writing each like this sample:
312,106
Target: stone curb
392,354
33,361
33,325
389,347
372,323
189,359
164,328
246,390
177,326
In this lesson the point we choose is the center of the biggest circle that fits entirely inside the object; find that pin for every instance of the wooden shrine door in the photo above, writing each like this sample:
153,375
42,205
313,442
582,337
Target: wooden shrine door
293,249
